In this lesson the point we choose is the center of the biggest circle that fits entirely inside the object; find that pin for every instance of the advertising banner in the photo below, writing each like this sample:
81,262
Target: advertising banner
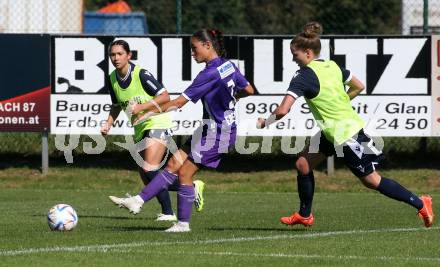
398,99
25,88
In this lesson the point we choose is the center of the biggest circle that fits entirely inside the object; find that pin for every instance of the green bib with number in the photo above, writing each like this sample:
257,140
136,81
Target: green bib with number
136,92
331,108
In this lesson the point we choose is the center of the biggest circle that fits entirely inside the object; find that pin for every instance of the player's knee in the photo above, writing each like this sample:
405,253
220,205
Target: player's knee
149,167
181,173
302,166
368,184
172,166
371,181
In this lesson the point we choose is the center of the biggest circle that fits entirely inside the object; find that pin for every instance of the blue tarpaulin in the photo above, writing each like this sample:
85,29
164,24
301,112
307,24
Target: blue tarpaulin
115,23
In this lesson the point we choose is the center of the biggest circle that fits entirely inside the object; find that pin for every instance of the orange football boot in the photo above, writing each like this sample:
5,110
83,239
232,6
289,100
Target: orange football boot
426,213
298,219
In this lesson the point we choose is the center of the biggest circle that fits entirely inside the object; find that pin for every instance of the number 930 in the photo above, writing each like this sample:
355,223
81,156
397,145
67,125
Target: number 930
261,108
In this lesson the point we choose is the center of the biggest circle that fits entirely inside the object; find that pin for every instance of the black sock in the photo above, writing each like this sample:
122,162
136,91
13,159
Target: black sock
306,189
174,186
163,197
394,190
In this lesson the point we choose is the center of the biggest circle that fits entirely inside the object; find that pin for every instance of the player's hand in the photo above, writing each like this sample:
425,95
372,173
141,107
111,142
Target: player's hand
133,108
142,117
105,128
261,123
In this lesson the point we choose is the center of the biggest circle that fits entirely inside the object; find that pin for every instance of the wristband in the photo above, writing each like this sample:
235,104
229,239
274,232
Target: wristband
156,105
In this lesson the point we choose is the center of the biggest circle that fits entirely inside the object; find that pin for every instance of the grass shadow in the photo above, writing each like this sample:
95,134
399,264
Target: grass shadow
104,217
258,229
230,162
114,160
136,228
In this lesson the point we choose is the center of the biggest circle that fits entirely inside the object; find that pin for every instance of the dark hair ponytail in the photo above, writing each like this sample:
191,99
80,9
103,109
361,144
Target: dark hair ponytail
215,37
312,29
309,37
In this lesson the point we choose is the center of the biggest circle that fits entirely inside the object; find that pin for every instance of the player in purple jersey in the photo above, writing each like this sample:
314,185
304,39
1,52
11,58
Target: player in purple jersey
218,86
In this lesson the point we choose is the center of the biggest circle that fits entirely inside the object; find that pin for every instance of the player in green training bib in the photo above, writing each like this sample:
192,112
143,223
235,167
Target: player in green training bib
129,82
322,84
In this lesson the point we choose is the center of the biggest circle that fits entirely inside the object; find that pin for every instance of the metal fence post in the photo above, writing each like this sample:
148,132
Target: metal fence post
331,166
425,16
44,152
178,16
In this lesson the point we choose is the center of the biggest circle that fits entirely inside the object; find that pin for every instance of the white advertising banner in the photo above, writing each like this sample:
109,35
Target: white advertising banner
435,84
76,114
384,116
400,99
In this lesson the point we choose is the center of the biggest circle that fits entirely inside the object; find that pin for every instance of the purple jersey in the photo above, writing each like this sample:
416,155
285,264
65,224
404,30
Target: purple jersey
216,86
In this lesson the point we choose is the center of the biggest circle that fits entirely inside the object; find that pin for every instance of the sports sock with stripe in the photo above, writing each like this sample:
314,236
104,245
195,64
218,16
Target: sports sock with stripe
394,190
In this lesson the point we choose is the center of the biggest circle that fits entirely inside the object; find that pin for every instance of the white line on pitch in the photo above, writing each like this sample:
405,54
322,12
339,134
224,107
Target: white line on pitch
283,255
106,247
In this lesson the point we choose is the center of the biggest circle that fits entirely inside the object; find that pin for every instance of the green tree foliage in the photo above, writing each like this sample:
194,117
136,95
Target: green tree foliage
278,17
228,15
269,16
358,16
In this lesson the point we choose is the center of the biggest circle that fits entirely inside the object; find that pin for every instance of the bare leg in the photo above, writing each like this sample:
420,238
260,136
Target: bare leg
153,156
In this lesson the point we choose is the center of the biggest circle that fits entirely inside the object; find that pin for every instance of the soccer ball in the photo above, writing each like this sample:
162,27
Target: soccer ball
62,217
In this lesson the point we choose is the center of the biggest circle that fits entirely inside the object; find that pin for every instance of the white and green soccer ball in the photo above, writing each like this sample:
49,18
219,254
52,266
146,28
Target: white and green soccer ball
62,217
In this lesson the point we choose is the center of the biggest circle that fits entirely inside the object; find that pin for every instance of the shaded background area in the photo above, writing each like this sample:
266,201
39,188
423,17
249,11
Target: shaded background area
24,150
269,16
231,16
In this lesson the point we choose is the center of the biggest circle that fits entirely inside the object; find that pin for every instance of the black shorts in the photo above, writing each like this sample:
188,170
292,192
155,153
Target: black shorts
163,134
359,152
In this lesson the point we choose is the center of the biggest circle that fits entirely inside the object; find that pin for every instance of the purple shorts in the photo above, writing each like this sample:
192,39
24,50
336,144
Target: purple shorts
209,144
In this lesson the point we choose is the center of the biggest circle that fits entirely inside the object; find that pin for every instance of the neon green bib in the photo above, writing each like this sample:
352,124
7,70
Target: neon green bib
331,108
136,92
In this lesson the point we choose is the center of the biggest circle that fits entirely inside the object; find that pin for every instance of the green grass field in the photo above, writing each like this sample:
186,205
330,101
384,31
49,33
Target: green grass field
239,226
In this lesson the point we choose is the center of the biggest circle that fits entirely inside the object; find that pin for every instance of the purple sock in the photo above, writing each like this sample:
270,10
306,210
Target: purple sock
161,181
185,199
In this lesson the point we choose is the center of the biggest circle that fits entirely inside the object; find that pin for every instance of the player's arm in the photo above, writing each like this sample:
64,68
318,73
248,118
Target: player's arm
244,87
355,87
247,91
114,110
199,87
162,98
278,113
114,113
304,83
174,104
154,88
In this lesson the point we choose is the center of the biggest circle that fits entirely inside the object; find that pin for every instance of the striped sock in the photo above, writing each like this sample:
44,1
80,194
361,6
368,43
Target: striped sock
185,200
163,197
160,182
394,190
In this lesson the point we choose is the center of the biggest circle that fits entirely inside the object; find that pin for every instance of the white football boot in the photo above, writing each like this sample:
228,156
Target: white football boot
179,227
166,217
133,204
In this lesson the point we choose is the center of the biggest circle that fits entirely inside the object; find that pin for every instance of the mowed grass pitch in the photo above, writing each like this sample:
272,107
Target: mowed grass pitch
353,227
